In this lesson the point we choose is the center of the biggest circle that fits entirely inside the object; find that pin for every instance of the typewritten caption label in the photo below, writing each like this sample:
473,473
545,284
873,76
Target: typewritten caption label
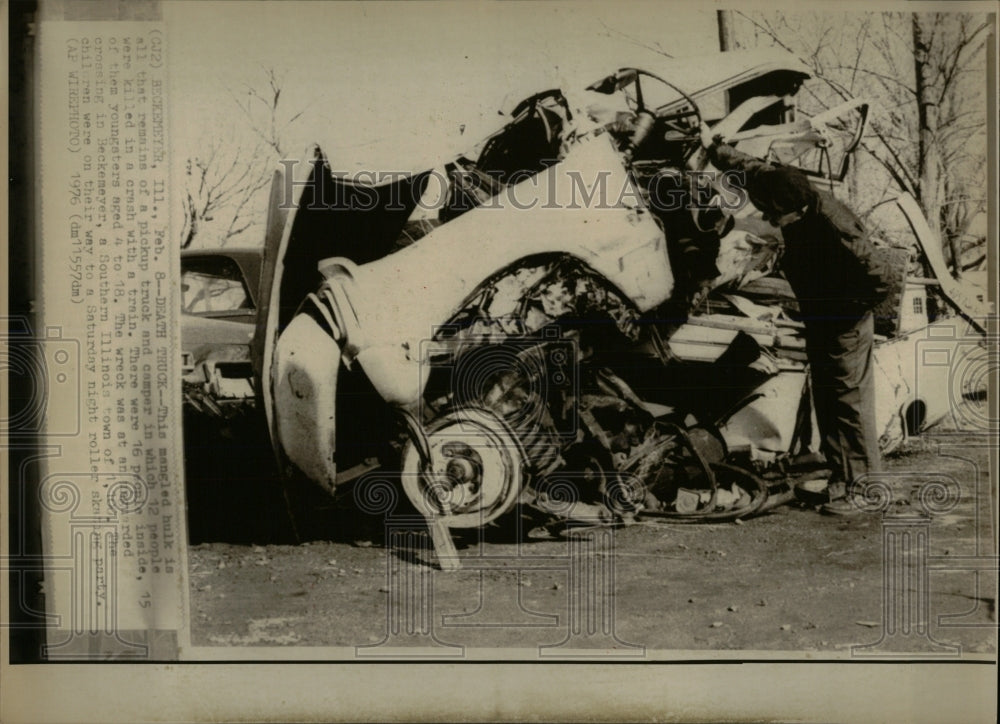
112,500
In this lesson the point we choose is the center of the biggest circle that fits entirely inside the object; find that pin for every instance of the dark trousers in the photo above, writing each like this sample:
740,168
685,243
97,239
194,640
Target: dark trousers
843,388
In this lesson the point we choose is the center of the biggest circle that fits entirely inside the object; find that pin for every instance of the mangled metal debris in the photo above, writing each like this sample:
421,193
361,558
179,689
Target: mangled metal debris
578,330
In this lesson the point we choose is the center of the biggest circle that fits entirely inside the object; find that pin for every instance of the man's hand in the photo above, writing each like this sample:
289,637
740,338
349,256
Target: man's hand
710,142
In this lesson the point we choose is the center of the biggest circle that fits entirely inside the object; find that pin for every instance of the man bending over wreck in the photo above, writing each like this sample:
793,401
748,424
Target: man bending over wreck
827,262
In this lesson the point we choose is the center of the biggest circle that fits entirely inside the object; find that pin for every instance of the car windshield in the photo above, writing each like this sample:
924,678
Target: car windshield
213,285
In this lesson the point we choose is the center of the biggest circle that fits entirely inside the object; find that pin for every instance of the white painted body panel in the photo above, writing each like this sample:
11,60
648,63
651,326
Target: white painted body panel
400,300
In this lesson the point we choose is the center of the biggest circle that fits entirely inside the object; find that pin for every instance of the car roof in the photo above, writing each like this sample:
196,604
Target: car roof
700,74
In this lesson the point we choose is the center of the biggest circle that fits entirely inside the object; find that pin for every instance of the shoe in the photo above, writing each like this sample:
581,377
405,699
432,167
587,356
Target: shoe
840,503
812,491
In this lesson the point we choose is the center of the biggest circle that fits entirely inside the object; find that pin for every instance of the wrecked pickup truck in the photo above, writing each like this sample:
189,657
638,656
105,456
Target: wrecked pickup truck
554,322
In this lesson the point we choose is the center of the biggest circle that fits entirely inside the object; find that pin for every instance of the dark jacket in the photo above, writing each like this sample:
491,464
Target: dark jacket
827,257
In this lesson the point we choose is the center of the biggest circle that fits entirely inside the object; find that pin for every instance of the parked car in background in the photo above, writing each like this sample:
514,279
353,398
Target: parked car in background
225,440
219,289
221,283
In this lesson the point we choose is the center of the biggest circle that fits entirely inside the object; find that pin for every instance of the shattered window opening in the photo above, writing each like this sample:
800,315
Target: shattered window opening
212,285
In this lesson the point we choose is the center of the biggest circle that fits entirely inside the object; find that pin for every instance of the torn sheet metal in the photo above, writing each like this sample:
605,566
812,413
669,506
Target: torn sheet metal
397,310
706,336
766,426
971,303
743,257
542,318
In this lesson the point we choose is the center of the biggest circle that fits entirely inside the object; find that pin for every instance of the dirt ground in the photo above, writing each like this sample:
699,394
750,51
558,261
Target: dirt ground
791,581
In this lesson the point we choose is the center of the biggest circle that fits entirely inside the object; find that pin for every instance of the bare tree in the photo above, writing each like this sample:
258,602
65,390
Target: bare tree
928,166
926,72
260,107
656,47
221,183
224,184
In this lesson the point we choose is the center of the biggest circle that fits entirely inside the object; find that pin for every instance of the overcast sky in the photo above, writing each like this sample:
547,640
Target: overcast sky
384,83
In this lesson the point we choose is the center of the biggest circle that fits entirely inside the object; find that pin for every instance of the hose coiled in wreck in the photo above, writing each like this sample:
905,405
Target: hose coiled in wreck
709,515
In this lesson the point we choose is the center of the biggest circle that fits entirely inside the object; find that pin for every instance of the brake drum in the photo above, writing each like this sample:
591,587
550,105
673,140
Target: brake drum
467,469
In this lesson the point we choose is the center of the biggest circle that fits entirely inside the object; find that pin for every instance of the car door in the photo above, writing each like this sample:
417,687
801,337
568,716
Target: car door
821,145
